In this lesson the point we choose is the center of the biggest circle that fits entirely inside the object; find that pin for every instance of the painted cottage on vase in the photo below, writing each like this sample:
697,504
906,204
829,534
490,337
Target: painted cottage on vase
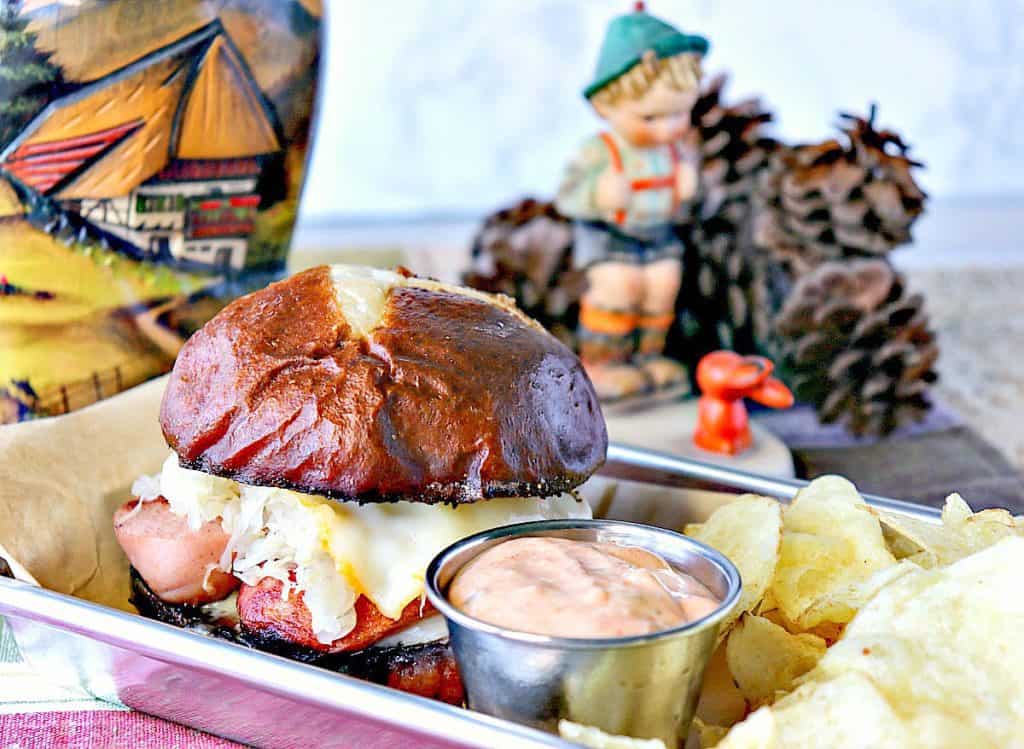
165,153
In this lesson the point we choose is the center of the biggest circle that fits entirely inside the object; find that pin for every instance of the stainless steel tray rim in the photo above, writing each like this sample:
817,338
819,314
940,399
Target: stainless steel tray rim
264,671
628,463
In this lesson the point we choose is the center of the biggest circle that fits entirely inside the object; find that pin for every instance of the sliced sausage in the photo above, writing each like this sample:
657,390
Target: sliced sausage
263,609
176,562
433,674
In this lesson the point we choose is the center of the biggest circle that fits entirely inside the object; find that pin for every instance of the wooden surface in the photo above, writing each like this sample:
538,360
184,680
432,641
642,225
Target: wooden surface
924,468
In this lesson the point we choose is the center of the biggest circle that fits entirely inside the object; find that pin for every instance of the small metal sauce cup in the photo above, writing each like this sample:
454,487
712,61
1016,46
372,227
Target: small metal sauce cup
644,686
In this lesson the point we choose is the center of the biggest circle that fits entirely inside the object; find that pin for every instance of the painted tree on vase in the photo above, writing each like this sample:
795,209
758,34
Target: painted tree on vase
28,78
624,191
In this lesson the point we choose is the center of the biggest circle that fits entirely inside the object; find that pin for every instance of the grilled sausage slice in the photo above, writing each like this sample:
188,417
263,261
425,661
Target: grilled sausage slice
263,609
177,563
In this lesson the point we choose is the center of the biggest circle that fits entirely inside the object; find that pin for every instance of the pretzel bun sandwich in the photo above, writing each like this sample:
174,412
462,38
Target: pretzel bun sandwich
330,434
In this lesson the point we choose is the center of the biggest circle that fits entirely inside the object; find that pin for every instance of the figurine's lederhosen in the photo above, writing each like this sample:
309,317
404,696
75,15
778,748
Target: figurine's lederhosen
641,235
622,241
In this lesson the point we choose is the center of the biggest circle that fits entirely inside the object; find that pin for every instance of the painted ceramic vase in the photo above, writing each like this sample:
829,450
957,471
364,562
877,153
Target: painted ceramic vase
152,153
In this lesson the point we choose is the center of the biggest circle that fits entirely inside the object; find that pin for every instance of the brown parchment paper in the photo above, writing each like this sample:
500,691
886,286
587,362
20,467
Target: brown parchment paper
61,480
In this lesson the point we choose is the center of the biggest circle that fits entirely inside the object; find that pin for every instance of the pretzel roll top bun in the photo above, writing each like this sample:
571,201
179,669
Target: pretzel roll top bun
372,386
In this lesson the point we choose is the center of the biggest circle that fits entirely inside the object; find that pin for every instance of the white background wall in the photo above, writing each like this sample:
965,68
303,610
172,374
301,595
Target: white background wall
456,106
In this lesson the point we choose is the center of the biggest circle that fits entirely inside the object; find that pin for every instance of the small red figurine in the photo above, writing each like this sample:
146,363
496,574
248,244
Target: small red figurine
725,379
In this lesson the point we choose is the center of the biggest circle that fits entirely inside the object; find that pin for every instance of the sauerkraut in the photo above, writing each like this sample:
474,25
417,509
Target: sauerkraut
334,552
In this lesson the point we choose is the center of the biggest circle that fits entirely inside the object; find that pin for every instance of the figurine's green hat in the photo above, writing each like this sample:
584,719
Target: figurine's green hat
630,36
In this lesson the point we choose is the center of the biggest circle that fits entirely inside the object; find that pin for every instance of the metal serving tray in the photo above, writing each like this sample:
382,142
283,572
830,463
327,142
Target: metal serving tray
268,701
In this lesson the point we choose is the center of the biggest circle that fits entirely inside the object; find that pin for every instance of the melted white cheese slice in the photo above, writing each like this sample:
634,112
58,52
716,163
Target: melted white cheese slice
429,629
337,551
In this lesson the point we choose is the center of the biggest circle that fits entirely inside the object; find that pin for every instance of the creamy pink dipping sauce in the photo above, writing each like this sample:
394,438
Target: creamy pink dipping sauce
563,588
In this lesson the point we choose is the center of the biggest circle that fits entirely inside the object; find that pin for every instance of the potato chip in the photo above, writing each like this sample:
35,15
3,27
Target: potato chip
748,531
913,538
830,506
595,738
841,604
960,534
831,540
924,559
705,735
844,712
956,510
764,658
934,659
953,631
721,703
772,614
830,632
899,544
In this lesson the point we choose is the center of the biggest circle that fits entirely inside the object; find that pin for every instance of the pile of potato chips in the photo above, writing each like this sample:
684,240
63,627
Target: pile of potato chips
859,627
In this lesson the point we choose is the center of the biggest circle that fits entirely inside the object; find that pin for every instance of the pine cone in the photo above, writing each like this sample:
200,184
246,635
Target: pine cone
724,302
844,198
734,149
813,206
857,346
525,251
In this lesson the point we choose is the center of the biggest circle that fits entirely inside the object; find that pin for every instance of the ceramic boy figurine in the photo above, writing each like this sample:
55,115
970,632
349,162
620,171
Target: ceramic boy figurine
624,191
